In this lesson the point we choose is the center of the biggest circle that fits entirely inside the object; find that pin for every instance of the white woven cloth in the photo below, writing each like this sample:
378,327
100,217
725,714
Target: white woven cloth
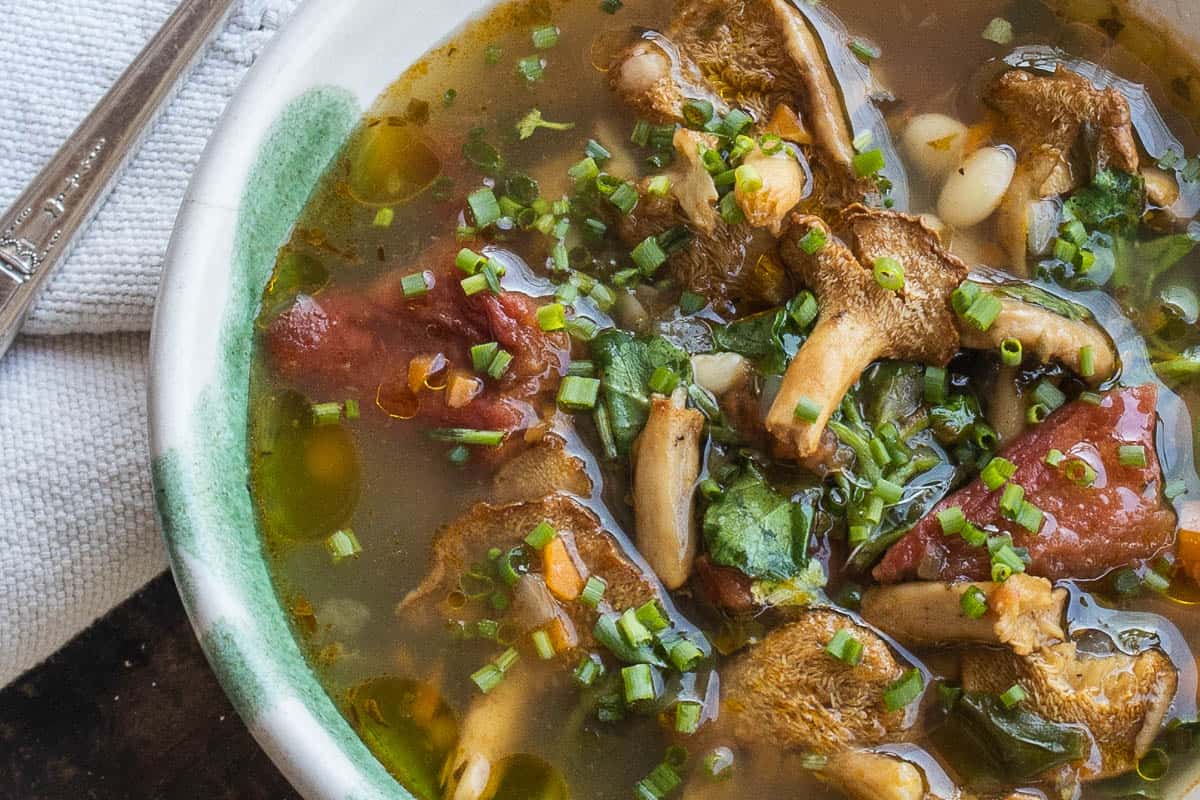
78,532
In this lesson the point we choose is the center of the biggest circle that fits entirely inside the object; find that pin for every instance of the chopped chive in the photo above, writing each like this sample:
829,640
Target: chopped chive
487,677
469,261
604,297
351,406
577,393
582,329
531,68
1048,395
687,716
731,212
770,143
326,414
845,647
873,512
343,544
973,535
1087,361
1087,260
505,660
736,122
1065,251
997,472
697,112
1132,455
648,255
964,296
384,218
1011,352
417,284
581,369
663,380
747,179
1055,457
1011,500
1091,398
869,163
879,451
552,317
1006,561
593,591
807,410
952,520
1075,232
1030,517
639,682
651,615
1036,414
1079,472
661,781
542,645
857,534
541,535
499,365
813,242
889,492
1013,696
590,670
983,311
973,602
624,197
865,50
585,170
1155,582
803,309
936,385
742,146
467,436
485,208
596,151
659,186
635,633
545,37
889,274
684,655
985,438
907,688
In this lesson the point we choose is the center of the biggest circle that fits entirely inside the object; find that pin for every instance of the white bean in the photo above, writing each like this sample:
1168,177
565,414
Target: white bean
934,144
718,372
974,191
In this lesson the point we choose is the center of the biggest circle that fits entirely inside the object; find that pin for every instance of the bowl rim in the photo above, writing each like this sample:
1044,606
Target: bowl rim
291,114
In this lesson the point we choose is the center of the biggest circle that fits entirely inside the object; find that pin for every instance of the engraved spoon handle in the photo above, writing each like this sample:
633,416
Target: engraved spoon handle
37,232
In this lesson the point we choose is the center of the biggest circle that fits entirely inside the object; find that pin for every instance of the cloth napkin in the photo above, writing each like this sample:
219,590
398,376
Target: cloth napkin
78,532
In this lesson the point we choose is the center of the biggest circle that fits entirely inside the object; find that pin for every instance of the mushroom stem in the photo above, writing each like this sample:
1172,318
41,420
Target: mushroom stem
666,466
864,775
494,722
837,352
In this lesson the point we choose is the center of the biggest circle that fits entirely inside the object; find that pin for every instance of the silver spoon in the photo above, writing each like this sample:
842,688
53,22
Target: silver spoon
36,234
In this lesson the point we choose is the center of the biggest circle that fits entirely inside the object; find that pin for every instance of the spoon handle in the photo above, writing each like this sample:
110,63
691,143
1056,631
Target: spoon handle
37,232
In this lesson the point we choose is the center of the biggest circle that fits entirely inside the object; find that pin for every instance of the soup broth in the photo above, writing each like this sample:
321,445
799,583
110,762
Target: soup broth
489,314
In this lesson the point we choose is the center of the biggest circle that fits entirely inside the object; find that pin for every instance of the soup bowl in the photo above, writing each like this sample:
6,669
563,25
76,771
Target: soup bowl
294,111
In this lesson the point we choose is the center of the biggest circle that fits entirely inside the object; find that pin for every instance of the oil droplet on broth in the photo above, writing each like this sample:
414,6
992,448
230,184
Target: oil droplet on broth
391,164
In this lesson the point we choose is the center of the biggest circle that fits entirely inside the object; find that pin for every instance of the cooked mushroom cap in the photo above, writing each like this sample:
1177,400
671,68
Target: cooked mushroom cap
1024,612
788,691
691,183
1120,699
543,469
467,539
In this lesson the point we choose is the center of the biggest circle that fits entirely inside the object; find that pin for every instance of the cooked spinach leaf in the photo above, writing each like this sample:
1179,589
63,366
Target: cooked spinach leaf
1113,201
989,744
753,528
626,363
766,338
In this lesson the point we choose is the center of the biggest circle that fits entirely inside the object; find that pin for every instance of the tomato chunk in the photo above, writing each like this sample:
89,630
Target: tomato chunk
1087,530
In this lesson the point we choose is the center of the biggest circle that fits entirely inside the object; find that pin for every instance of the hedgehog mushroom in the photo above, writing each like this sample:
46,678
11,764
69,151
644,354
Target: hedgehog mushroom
666,466
860,320
789,691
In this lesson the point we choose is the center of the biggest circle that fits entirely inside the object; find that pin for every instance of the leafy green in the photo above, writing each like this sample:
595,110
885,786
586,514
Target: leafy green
954,420
764,338
989,744
755,529
893,389
1036,295
1113,201
626,363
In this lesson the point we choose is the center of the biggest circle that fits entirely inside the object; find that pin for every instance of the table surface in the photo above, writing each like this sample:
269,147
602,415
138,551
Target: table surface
130,710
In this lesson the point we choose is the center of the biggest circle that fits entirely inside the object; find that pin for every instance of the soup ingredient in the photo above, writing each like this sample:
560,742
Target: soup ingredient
1088,527
974,192
935,144
788,690
1049,337
493,725
719,372
864,775
541,470
666,465
991,744
625,364
1023,612
754,529
1121,699
781,183
860,321
467,540
691,182
1048,119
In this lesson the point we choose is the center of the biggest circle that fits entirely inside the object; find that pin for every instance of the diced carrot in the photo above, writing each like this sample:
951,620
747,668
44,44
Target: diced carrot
462,389
423,372
786,124
1187,545
562,577
562,634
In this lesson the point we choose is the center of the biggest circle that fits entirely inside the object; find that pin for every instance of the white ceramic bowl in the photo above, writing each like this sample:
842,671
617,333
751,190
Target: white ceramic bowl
292,114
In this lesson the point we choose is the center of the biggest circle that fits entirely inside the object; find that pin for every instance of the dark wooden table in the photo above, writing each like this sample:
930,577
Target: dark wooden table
130,709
